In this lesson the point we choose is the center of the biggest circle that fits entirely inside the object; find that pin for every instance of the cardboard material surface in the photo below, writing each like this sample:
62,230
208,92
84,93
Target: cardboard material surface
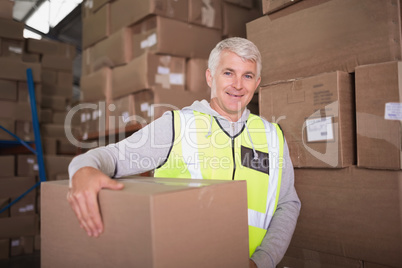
319,33
351,212
11,48
57,63
97,86
19,226
8,90
148,224
112,51
322,131
6,9
270,6
7,165
235,19
168,36
15,186
15,69
378,115
24,130
146,71
22,245
10,28
56,165
120,18
9,124
50,47
205,13
96,27
195,75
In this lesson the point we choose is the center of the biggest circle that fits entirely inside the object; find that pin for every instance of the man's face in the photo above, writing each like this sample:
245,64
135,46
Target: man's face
233,85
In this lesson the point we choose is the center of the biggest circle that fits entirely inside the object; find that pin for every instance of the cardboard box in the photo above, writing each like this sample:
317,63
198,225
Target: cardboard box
9,124
86,66
340,207
15,110
25,206
56,62
132,109
24,130
270,6
94,120
112,51
205,13
319,33
46,116
5,243
12,187
6,9
56,103
97,86
322,132
378,115
7,165
300,257
19,226
15,69
120,18
22,245
195,75
168,36
27,165
49,76
59,117
65,78
155,219
9,28
30,57
55,165
56,130
242,3
50,47
3,203
235,19
96,27
148,71
23,92
8,90
11,47
57,90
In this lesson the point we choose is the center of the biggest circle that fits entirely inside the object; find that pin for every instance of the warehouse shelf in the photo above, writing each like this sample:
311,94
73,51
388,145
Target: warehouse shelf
36,149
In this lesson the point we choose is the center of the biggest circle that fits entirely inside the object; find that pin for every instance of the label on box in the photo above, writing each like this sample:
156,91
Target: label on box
144,106
35,167
15,243
319,129
393,111
125,116
30,160
26,208
176,79
163,70
16,50
83,118
149,42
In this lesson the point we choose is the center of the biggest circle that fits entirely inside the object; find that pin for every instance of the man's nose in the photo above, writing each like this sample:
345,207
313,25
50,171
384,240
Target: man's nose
237,83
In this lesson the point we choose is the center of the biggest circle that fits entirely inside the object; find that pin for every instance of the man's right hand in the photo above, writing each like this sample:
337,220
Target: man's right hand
83,197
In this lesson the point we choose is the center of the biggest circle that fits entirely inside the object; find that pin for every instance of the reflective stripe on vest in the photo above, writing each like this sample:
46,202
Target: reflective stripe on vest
200,154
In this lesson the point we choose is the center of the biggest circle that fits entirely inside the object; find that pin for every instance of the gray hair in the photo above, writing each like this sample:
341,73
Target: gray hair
244,48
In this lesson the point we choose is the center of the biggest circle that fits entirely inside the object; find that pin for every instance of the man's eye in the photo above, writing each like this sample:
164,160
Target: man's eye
227,73
248,76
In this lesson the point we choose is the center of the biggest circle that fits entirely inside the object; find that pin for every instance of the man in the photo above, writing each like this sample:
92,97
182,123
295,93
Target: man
180,143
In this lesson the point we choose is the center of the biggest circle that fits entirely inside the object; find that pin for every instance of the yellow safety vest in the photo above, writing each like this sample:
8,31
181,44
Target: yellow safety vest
203,150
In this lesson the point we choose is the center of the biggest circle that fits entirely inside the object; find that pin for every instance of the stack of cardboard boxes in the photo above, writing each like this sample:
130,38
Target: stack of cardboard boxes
18,224
56,59
51,64
332,79
147,57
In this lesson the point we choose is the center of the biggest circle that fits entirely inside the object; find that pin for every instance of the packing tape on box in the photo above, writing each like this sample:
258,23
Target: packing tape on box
207,14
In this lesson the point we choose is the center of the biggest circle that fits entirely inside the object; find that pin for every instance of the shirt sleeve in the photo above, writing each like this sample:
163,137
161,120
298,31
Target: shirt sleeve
144,150
283,222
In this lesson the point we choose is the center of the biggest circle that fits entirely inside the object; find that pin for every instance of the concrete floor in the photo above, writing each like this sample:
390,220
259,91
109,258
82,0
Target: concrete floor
24,261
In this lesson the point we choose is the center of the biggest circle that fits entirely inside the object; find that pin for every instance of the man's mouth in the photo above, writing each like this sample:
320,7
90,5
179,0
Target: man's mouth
234,95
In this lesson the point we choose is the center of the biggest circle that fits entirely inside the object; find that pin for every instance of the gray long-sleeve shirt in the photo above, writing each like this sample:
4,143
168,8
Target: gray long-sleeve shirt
149,147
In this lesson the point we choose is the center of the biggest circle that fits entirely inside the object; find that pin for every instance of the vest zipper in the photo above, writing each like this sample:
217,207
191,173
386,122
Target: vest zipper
234,162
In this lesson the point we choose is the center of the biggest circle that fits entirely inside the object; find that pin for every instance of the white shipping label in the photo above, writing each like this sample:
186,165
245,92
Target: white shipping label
125,116
83,118
319,129
15,243
149,42
30,161
16,50
144,106
393,111
163,70
176,79
35,167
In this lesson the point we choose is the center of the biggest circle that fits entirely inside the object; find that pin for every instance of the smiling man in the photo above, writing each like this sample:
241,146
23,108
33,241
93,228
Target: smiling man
219,139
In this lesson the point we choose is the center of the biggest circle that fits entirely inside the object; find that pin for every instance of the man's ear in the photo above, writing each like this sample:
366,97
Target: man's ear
208,76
